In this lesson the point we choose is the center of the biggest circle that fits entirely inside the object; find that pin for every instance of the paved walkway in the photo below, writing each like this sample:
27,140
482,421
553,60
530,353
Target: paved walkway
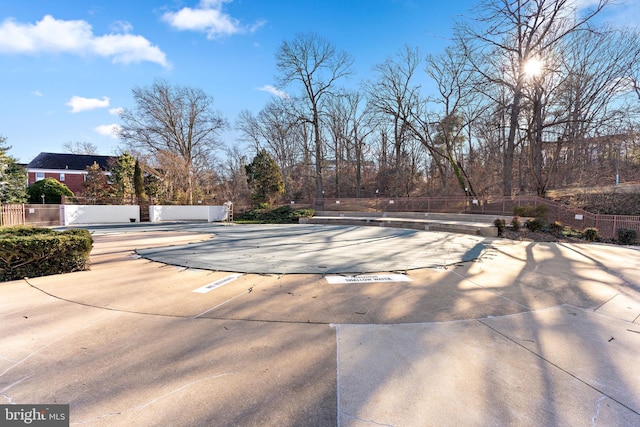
524,334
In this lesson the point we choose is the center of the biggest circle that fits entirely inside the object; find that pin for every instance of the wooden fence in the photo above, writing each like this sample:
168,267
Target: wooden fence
12,214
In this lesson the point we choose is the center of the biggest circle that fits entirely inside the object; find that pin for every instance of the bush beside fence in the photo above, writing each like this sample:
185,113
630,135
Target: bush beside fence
35,252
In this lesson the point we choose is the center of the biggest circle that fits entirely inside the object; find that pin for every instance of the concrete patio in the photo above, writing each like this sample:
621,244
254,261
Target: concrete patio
481,332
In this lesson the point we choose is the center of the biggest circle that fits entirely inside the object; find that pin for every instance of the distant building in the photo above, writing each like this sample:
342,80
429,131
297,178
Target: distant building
69,169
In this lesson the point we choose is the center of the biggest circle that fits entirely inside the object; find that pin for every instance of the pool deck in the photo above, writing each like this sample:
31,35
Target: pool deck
483,332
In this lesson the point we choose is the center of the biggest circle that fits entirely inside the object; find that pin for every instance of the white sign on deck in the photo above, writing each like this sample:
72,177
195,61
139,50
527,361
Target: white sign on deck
213,285
368,278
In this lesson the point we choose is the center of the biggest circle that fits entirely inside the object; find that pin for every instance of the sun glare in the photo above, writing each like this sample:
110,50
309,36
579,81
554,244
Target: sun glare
533,67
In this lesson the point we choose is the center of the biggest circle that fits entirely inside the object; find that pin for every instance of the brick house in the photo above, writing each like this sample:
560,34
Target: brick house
69,169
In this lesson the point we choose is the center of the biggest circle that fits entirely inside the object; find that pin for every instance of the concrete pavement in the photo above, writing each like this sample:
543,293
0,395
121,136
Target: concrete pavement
521,334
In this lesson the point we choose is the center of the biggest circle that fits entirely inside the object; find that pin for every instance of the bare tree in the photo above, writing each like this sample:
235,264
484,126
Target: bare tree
277,129
395,95
250,129
337,119
362,124
597,92
508,35
233,183
177,124
80,147
456,95
315,64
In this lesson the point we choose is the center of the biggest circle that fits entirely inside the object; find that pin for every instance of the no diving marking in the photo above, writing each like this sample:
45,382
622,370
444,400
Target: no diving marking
213,285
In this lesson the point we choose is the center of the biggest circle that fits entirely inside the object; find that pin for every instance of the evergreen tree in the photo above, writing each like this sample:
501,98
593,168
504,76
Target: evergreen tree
153,187
13,177
122,177
94,186
264,179
138,182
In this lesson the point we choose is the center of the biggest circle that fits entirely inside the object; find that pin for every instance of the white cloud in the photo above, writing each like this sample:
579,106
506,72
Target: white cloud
274,91
625,14
36,93
128,48
76,37
255,27
78,103
121,27
583,4
116,111
213,3
619,13
209,18
111,130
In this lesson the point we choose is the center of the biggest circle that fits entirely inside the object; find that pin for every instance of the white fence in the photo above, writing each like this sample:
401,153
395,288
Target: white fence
187,213
99,214
105,214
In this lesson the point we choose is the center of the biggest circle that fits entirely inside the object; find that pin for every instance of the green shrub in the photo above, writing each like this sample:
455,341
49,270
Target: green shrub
280,215
282,212
538,211
20,231
302,213
591,234
535,224
52,189
251,215
516,224
35,252
556,228
627,236
500,225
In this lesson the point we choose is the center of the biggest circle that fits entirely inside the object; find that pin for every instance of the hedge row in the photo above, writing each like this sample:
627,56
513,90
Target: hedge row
35,252
282,214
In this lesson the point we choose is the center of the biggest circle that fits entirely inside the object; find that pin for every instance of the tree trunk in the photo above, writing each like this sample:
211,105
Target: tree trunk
536,145
318,142
358,166
509,151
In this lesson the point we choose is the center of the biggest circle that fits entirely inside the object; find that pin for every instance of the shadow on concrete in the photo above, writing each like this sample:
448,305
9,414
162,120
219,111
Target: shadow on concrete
554,366
511,337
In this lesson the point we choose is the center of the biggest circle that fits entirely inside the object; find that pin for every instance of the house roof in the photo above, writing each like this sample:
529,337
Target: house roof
69,161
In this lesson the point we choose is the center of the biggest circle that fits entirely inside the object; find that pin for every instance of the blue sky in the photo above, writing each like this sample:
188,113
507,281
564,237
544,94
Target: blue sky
68,66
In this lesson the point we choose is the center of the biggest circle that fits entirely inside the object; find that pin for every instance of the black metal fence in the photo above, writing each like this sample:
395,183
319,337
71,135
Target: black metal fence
607,225
579,219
